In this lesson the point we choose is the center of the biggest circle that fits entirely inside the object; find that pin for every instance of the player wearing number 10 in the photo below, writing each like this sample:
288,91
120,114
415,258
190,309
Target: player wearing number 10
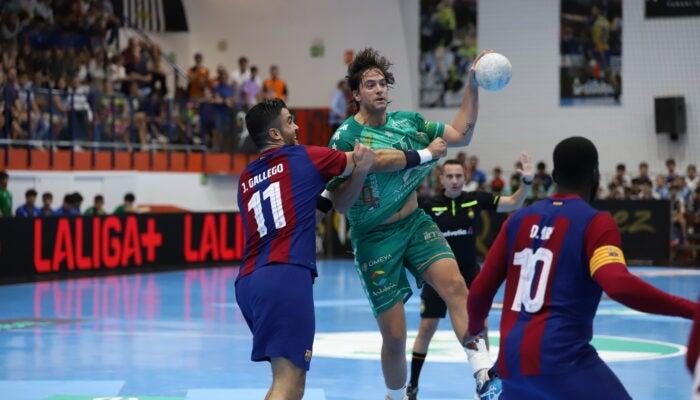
277,201
557,256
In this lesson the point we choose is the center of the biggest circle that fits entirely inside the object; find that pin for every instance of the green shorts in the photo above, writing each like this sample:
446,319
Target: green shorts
381,254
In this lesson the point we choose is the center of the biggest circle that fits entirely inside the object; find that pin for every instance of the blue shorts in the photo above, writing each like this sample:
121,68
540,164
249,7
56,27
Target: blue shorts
277,303
593,382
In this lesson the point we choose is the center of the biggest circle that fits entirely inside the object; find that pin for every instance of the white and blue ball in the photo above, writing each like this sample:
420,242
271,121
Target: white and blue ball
493,72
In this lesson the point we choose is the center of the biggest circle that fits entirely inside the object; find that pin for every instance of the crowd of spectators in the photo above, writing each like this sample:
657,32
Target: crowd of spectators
682,190
65,78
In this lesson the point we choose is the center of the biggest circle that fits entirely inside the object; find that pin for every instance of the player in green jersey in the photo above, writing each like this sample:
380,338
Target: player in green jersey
390,234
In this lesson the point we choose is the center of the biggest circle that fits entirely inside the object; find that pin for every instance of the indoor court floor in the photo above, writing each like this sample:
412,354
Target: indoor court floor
179,335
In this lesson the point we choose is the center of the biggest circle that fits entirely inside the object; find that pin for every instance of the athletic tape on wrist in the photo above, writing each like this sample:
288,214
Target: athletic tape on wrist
425,156
479,358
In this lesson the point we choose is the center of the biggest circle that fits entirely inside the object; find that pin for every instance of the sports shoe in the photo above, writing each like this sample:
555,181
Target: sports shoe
411,392
490,389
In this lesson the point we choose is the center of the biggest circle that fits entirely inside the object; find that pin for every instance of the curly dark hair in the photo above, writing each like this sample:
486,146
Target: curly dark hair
367,59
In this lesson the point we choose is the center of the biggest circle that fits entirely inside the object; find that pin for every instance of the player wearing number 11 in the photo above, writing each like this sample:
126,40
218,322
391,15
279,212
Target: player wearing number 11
277,201
557,256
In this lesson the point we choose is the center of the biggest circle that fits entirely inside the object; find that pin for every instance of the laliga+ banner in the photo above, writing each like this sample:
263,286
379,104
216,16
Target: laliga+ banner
64,246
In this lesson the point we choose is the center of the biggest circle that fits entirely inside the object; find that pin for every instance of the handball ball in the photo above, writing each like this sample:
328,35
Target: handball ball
493,71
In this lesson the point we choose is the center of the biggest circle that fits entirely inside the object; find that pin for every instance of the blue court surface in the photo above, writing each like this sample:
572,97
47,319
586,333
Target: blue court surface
179,335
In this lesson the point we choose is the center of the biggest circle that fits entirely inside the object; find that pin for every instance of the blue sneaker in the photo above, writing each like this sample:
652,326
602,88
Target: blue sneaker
491,390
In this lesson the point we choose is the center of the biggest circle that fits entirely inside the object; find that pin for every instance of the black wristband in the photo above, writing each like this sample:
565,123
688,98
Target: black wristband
525,181
323,204
412,158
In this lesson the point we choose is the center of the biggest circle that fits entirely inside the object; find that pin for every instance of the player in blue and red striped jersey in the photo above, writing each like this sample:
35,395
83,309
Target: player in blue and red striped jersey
557,256
277,197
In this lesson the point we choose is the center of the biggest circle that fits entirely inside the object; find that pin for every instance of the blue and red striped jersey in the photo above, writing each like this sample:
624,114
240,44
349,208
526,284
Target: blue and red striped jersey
277,201
547,253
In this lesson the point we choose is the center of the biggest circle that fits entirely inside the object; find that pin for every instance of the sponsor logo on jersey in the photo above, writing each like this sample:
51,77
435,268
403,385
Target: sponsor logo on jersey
459,232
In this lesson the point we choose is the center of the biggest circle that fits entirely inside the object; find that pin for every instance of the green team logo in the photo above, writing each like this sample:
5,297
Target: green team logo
445,348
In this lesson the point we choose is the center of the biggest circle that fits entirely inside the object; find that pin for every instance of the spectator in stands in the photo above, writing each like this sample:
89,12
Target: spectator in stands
240,75
660,189
462,158
647,192
635,189
116,73
223,93
97,207
137,69
683,193
138,124
38,125
80,115
46,201
691,177
5,195
28,209
497,184
68,206
478,176
339,105
671,171
58,111
250,89
16,112
620,177
97,70
127,206
155,67
678,217
275,86
544,176
198,77
643,176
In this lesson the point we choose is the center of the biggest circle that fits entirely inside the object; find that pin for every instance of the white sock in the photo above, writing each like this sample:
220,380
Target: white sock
396,394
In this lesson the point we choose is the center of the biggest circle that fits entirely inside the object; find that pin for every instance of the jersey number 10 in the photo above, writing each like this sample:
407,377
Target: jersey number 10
255,204
527,260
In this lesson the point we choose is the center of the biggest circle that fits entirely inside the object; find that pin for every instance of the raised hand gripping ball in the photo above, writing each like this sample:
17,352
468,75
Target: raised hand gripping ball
493,72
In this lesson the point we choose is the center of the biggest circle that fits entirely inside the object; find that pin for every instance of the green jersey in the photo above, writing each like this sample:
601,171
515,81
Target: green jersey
383,194
5,203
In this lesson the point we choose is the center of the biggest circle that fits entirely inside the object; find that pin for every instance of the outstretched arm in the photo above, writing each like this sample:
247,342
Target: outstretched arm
516,200
460,132
608,268
389,160
625,288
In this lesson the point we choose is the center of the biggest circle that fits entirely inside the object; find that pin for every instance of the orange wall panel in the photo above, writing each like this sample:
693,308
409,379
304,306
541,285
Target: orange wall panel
82,161
142,161
122,161
40,160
